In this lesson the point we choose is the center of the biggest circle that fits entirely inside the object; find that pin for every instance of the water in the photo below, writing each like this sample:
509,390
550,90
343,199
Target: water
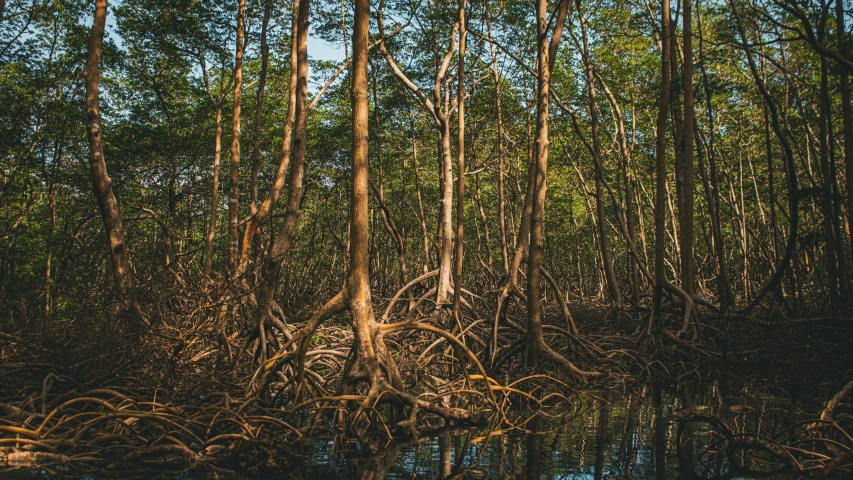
628,435
603,435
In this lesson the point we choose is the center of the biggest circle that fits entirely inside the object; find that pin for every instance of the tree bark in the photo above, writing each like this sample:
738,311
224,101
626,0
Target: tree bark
660,171
606,254
282,241
101,182
372,361
688,168
234,193
460,163
214,195
847,114
826,196
501,162
256,143
266,208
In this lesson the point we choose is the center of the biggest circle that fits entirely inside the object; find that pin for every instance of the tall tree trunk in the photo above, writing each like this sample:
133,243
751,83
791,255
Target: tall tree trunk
214,195
372,361
101,182
234,193
282,241
537,348
501,161
712,194
444,292
791,169
688,169
687,273
660,170
256,140
539,164
847,114
262,212
460,163
606,254
826,196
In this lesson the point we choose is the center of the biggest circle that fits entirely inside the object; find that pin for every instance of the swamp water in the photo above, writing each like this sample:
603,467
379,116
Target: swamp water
602,435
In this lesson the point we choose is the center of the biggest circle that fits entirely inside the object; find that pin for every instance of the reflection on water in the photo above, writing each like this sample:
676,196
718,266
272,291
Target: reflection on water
605,436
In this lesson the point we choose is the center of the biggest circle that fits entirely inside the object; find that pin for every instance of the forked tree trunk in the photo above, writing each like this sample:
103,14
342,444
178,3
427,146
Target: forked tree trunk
441,110
268,205
522,236
537,348
282,241
101,182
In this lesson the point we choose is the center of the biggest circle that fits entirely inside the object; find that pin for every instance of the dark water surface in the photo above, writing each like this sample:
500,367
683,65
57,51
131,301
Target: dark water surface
625,436
603,435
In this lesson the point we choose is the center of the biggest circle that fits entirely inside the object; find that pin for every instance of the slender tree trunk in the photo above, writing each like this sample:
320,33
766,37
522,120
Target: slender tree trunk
660,170
266,208
101,182
460,163
234,193
606,254
48,281
771,186
826,196
282,241
633,267
724,286
259,110
537,348
444,292
791,169
421,214
501,163
540,166
214,195
847,114
687,233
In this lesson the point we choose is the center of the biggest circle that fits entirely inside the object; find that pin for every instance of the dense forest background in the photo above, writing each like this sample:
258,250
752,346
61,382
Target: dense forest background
619,189
168,67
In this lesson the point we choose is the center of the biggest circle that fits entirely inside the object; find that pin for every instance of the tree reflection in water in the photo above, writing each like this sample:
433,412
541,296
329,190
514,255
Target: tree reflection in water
631,435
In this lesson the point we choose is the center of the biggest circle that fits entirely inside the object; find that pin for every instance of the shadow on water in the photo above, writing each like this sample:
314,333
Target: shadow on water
604,435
